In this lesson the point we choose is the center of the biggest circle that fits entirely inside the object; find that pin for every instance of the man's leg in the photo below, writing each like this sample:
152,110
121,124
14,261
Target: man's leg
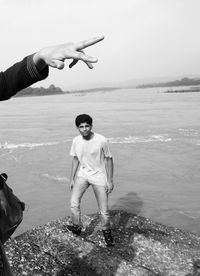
102,201
78,190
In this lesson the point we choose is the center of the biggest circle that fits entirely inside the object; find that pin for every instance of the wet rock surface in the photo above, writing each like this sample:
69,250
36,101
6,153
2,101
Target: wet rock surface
142,247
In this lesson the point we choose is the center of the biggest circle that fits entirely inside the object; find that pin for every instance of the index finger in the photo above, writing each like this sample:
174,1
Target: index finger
86,43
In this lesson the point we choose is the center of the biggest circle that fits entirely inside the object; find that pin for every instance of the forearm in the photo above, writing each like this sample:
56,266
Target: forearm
19,76
75,165
109,169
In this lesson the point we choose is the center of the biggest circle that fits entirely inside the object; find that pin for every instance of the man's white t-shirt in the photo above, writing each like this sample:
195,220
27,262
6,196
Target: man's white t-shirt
91,155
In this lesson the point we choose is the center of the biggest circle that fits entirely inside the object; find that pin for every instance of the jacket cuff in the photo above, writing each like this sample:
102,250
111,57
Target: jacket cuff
36,74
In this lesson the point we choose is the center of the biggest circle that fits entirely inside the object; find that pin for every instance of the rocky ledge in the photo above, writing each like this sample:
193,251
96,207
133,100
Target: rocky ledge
142,247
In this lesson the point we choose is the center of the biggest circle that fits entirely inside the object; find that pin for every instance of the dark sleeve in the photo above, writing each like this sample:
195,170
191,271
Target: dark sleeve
20,76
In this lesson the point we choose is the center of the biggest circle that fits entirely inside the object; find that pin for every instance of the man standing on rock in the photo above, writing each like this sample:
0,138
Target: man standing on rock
92,164
28,71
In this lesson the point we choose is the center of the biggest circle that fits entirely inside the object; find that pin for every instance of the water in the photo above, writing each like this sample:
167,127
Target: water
154,138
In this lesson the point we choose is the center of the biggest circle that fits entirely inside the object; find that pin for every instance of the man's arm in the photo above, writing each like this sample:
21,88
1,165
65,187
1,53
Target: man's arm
75,165
110,171
35,67
19,76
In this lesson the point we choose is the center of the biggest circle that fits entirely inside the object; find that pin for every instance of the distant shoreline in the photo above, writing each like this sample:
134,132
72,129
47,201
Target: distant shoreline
192,84
191,90
92,90
52,90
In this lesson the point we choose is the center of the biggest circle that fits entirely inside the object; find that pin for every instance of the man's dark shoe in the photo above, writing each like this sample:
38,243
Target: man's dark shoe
108,237
75,229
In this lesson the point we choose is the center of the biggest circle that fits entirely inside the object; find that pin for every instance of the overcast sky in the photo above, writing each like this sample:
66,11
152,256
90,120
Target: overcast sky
143,38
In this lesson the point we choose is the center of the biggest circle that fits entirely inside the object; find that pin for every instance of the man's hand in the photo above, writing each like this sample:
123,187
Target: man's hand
109,186
55,56
71,184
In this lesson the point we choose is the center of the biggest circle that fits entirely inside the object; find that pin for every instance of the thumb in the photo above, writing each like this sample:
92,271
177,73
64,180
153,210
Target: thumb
106,188
56,63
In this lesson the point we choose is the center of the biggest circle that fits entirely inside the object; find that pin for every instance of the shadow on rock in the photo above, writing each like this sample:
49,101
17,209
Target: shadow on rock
130,203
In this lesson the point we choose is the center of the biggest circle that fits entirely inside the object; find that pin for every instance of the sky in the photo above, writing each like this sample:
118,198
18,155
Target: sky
144,39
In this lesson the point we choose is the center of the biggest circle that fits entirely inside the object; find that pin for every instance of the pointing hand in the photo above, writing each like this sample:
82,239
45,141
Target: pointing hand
55,56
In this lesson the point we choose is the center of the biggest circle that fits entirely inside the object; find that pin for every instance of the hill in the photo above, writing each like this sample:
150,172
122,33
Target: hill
40,91
182,82
53,90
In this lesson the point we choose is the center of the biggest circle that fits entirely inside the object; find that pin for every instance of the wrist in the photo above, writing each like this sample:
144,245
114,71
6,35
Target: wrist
39,60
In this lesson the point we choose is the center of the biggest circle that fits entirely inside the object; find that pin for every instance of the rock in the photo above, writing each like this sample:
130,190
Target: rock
142,247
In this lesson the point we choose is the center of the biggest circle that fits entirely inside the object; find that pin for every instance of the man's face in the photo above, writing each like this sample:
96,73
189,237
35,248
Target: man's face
85,129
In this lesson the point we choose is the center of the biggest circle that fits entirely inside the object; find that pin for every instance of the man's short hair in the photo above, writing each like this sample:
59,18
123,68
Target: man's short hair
83,118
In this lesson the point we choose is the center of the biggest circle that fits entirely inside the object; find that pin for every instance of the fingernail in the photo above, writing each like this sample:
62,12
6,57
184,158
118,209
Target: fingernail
101,37
94,59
